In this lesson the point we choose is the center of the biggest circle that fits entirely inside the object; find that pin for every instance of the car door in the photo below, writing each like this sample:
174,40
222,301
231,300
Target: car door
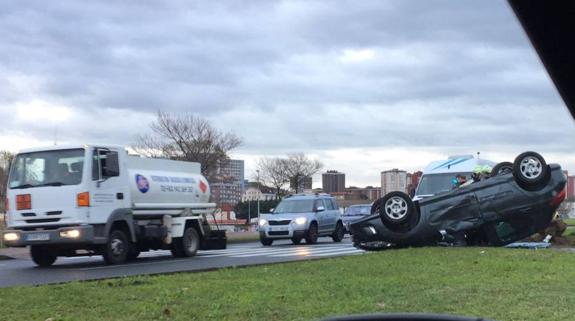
109,190
332,214
320,215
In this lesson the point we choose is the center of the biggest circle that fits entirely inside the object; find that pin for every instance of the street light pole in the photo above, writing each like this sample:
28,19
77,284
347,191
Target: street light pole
259,195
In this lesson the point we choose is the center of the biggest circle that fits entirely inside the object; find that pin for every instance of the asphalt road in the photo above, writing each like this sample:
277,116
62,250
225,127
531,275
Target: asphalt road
24,272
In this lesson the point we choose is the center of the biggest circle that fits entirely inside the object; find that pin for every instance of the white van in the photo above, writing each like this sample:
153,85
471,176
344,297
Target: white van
438,175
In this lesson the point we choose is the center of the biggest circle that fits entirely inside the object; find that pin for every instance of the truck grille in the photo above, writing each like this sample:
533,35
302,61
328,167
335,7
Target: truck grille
283,222
43,220
279,233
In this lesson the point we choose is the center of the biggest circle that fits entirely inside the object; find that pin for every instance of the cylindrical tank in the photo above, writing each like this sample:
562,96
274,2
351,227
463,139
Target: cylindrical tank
159,184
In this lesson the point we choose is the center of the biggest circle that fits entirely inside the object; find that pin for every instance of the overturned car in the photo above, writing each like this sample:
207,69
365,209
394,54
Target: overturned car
516,201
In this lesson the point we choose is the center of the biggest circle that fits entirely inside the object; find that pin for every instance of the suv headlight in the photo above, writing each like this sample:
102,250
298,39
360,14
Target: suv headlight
300,220
263,222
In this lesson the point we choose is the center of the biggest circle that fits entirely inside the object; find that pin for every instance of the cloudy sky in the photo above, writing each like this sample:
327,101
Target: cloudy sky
363,86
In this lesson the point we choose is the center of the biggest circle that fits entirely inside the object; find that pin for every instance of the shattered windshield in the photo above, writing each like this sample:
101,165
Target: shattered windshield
432,184
47,168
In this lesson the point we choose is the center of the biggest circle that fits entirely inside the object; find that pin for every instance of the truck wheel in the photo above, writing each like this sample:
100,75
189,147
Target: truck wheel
502,168
395,208
43,256
530,170
117,248
339,233
187,245
312,234
266,241
133,253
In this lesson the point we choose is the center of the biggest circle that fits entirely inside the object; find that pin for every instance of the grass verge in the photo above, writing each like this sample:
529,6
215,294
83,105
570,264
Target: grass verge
501,284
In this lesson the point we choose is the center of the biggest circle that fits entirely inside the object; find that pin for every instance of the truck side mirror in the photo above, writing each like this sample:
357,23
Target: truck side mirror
320,209
111,166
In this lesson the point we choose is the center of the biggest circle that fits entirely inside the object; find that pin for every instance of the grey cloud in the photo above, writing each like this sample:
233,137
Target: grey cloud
447,74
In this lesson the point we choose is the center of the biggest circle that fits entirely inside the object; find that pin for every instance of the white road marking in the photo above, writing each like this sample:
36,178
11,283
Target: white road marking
313,252
347,252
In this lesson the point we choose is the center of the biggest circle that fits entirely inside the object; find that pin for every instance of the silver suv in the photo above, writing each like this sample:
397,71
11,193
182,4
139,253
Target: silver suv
302,216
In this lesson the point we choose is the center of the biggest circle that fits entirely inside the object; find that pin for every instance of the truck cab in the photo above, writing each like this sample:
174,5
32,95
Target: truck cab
99,199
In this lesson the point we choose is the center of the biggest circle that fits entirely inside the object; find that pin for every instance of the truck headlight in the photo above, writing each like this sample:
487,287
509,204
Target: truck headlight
300,220
11,236
70,234
263,222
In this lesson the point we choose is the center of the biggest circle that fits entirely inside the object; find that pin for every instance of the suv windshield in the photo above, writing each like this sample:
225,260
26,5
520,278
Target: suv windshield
358,210
294,206
432,184
49,168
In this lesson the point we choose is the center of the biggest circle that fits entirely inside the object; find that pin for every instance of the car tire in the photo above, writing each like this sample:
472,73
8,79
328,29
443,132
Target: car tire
395,208
117,248
376,206
502,168
296,240
43,256
339,233
187,245
530,170
266,241
312,234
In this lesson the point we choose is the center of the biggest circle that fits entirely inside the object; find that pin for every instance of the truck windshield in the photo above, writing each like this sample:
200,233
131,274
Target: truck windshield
432,184
47,168
294,206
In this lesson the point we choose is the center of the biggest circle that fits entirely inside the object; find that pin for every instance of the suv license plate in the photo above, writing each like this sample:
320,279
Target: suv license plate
38,237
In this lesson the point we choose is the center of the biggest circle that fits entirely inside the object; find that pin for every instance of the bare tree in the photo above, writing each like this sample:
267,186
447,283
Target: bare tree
5,160
190,138
298,166
273,172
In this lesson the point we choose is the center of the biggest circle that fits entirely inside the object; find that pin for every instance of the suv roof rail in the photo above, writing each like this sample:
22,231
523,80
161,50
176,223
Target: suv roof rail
308,194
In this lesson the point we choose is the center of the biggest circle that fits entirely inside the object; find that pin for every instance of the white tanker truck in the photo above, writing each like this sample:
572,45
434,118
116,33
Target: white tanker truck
98,200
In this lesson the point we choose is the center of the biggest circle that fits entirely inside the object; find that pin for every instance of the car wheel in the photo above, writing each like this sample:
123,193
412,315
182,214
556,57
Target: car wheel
266,241
502,168
339,233
312,234
296,240
43,256
376,207
117,248
187,245
530,170
396,208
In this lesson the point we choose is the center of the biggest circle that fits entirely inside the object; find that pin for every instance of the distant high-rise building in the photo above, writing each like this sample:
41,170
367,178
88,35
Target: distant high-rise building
393,180
333,182
228,184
